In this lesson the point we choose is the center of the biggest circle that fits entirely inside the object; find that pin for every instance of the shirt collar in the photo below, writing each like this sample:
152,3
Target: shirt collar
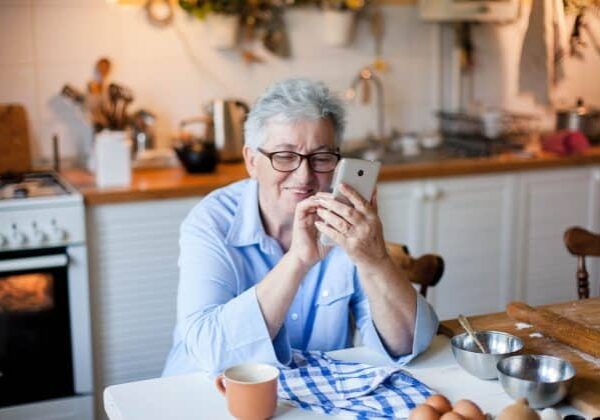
247,227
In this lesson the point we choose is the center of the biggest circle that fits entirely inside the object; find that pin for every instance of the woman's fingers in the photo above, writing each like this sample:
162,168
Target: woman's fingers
333,234
355,198
332,219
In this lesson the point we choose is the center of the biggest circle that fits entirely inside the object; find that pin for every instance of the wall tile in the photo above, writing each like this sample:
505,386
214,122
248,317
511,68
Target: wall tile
66,34
16,36
57,114
174,71
141,40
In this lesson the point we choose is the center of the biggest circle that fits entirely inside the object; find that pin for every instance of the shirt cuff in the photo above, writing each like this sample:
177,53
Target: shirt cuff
247,335
426,324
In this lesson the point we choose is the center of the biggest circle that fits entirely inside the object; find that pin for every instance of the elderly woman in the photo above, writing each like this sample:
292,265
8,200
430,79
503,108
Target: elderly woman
255,281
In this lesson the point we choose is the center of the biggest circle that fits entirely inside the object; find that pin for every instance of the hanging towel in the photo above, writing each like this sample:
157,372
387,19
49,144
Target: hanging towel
316,382
544,47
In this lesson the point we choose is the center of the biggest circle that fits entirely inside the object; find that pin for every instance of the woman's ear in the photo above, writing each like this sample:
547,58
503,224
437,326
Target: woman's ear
250,161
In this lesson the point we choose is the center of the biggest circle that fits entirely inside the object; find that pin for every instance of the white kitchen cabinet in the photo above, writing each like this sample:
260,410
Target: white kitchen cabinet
467,223
133,279
550,202
464,220
500,235
400,210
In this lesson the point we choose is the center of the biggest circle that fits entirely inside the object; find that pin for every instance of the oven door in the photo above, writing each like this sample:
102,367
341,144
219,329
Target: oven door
36,328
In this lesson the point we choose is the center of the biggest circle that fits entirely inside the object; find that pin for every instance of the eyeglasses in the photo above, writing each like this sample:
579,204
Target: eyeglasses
286,161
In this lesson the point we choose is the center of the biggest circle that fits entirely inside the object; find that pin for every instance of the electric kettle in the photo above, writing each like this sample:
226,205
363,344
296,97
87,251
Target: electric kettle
228,117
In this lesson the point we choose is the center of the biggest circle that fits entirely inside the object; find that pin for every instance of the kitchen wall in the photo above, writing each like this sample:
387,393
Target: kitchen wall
173,71
496,69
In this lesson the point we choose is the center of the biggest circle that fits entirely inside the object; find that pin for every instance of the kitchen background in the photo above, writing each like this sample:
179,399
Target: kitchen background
174,71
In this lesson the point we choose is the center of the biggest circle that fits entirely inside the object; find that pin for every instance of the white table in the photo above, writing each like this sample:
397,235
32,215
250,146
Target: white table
195,397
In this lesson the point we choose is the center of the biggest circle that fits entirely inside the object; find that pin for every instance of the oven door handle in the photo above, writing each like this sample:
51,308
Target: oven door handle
34,263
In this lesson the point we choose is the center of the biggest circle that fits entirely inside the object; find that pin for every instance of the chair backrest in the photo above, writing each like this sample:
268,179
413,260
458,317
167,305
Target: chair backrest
426,271
582,243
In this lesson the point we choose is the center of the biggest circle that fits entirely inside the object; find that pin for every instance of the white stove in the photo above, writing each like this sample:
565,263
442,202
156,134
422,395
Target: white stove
39,209
46,366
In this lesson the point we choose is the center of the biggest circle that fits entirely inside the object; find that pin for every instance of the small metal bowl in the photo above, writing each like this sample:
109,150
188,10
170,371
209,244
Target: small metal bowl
543,380
483,365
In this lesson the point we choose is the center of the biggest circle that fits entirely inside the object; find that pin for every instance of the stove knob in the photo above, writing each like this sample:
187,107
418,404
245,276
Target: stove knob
17,238
39,236
57,233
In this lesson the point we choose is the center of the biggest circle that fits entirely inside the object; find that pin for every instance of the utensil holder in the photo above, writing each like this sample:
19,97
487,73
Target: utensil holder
112,152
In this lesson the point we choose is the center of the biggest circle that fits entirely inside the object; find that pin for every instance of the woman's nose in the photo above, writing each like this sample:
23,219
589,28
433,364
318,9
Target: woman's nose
304,171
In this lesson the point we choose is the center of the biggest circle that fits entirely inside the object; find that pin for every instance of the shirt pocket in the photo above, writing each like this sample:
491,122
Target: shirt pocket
335,292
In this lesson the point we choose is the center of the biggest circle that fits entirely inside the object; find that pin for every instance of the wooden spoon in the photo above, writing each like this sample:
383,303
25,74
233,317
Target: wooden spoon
464,322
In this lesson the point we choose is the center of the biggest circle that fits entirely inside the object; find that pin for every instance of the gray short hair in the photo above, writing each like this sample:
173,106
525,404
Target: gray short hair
293,100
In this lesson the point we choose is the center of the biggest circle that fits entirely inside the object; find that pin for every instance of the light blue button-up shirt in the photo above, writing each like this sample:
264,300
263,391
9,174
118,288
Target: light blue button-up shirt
225,252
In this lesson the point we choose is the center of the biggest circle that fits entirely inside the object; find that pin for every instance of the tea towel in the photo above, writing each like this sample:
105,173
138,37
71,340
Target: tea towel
315,381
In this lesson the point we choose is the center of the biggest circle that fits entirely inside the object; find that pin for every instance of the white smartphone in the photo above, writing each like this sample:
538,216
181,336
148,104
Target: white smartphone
359,174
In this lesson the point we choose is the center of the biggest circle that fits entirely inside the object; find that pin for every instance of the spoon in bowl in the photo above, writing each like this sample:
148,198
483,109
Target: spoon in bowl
464,322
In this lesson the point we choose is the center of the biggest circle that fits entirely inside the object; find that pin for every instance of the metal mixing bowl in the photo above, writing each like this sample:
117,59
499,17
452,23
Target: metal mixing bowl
543,380
483,365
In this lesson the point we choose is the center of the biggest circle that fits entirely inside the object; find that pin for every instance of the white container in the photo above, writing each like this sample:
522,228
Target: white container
223,30
112,150
337,27
410,145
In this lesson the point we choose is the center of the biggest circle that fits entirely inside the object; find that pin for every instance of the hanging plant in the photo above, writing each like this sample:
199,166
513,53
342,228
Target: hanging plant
201,8
354,5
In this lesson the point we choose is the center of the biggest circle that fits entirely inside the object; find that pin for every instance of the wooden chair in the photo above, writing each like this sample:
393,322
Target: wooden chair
425,271
582,243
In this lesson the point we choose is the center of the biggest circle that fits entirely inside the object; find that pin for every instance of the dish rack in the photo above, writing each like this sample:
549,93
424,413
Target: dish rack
489,125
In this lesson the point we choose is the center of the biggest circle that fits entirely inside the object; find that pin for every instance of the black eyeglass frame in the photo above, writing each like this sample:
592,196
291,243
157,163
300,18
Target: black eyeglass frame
308,157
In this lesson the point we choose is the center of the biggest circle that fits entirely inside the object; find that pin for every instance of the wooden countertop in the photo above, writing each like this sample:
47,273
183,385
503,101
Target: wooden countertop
585,393
151,184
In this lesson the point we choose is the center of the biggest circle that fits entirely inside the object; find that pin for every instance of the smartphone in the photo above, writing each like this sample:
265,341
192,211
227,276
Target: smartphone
360,174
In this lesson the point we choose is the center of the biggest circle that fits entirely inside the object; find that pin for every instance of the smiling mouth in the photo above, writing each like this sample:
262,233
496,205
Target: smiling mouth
301,190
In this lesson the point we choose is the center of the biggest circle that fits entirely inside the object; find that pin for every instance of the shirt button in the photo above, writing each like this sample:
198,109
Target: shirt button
294,317
325,293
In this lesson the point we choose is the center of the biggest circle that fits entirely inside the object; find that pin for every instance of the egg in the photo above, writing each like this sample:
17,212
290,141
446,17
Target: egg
469,410
424,412
440,403
451,415
550,414
519,410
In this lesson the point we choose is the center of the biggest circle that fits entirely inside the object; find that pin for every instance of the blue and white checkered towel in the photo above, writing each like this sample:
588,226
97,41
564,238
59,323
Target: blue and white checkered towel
315,381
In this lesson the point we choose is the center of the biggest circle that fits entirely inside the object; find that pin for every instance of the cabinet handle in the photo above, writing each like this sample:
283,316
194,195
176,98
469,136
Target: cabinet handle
419,194
429,192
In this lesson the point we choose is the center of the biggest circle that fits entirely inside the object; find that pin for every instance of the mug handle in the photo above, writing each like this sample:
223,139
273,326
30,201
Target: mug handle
219,384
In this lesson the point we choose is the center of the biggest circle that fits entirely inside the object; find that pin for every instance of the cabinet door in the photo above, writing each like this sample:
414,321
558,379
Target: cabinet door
466,223
552,201
400,210
133,277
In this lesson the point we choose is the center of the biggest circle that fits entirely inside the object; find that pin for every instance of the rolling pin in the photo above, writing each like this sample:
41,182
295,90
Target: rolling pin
573,333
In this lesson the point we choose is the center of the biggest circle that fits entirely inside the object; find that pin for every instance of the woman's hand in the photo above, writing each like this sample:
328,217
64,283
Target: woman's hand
305,243
356,228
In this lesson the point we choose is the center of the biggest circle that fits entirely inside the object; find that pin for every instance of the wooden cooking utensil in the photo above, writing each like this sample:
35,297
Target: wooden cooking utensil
563,329
464,322
15,153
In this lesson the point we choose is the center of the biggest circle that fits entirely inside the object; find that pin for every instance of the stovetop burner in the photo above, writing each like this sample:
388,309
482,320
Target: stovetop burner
29,185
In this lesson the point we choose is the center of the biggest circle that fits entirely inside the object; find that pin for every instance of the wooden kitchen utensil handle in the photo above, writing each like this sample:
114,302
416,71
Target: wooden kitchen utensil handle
570,332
